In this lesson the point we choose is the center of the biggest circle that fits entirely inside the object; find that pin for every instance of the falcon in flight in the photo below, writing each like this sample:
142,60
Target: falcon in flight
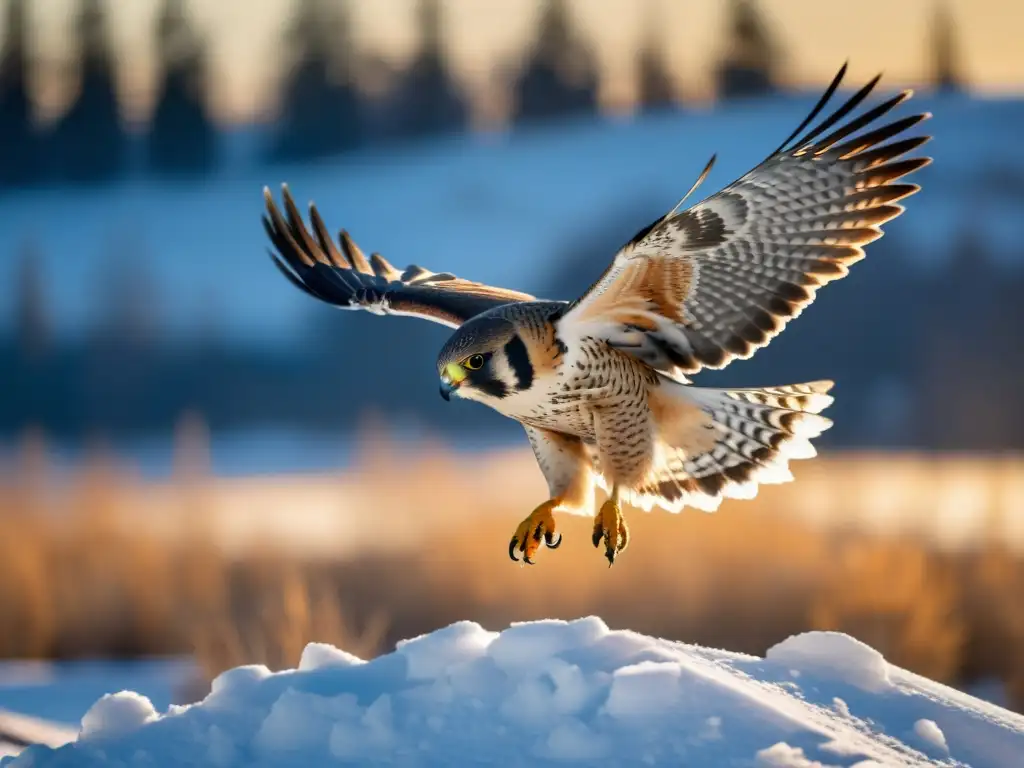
600,383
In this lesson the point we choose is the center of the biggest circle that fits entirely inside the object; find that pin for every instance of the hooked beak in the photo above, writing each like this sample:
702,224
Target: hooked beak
451,379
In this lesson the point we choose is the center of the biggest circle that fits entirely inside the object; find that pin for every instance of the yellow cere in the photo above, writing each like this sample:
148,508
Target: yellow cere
455,372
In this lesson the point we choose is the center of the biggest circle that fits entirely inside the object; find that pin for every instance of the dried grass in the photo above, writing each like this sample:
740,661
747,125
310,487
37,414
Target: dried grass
75,581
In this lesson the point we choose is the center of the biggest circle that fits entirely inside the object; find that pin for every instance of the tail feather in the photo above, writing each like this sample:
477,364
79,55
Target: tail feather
759,431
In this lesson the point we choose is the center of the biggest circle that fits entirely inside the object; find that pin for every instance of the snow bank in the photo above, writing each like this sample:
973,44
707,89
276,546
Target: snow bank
552,692
835,656
116,714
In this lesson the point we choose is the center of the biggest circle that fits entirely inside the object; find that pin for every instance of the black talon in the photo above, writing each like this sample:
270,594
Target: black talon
596,538
512,550
610,550
527,560
537,534
551,541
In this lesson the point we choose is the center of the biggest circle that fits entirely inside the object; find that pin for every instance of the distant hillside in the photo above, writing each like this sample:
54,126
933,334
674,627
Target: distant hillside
494,207
923,338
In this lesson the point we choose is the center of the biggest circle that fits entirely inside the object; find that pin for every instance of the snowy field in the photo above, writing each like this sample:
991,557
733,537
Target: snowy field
495,208
43,701
556,693
62,692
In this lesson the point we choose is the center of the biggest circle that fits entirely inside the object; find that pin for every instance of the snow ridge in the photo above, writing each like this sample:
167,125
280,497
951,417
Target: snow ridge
550,692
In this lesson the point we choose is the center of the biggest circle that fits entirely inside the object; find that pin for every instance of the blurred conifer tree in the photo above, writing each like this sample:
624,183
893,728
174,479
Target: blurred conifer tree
750,65
182,137
88,144
946,69
427,101
320,106
655,86
20,159
560,77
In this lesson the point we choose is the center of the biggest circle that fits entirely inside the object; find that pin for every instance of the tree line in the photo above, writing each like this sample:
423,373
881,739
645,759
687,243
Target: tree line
88,143
323,107
933,363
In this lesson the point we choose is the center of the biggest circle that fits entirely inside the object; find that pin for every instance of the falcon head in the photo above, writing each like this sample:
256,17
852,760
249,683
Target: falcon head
485,360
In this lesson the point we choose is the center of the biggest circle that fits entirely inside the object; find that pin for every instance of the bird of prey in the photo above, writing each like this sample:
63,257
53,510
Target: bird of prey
600,383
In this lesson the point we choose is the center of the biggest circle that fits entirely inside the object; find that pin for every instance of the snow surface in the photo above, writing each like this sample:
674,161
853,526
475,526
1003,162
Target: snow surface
835,656
496,208
18,730
61,692
554,692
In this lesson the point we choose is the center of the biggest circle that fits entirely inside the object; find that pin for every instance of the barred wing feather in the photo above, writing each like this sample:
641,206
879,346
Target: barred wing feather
717,281
346,278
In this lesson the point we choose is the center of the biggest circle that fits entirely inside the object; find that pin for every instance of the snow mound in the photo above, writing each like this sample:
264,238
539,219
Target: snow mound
320,655
117,714
931,734
835,656
551,692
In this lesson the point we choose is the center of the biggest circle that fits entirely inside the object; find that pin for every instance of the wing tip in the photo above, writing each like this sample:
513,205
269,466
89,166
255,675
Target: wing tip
821,386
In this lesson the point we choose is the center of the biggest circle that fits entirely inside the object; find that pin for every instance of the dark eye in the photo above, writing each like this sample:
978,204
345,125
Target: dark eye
475,363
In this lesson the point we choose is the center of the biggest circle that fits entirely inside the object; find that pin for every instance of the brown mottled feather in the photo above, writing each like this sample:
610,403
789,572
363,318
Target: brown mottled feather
658,284
752,256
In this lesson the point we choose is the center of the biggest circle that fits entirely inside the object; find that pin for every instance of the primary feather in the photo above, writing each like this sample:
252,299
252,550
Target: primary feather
715,282
346,278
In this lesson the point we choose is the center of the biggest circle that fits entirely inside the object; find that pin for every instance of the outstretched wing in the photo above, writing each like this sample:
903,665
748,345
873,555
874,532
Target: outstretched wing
703,286
346,278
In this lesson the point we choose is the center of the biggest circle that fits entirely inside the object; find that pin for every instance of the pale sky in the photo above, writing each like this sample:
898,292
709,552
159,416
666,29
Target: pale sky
487,36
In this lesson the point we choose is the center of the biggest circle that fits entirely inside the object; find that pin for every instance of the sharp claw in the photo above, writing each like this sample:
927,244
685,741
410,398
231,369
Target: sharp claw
610,528
538,527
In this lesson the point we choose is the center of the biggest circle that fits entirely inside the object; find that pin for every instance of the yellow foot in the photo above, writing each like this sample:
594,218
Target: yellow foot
539,526
610,525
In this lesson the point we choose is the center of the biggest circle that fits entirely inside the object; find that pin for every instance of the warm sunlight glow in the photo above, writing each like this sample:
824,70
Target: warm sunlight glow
486,39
